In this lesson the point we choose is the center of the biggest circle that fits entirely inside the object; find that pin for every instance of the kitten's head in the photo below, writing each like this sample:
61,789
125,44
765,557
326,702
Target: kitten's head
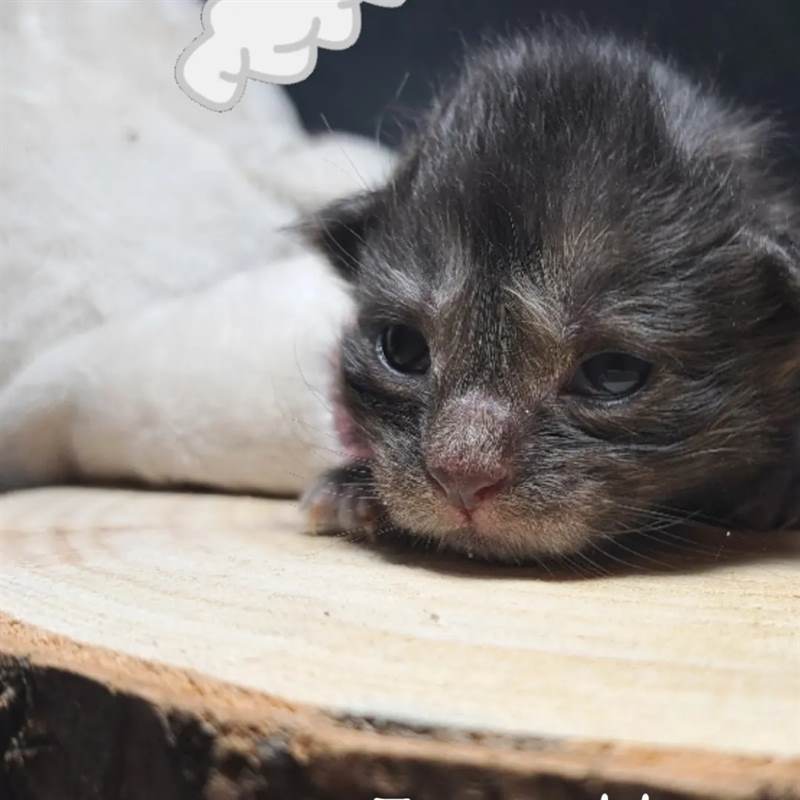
578,302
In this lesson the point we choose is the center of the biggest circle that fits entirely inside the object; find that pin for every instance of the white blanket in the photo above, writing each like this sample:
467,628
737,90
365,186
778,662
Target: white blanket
155,325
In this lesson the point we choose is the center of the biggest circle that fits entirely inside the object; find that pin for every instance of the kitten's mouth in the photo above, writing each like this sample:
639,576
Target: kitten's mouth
465,516
474,522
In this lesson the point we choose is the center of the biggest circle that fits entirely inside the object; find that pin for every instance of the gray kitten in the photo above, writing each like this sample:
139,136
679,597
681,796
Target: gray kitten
578,312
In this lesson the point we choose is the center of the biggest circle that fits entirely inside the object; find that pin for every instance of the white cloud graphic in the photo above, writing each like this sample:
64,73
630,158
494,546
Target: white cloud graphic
267,40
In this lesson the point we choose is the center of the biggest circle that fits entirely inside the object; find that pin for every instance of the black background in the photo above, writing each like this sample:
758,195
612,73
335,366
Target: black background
750,49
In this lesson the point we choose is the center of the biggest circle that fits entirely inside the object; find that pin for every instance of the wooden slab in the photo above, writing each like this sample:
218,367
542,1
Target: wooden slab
675,677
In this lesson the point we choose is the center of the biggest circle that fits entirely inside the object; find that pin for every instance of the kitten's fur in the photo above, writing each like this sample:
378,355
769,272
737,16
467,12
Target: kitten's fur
571,194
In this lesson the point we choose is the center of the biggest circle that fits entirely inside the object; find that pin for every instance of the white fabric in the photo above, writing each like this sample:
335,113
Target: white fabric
155,324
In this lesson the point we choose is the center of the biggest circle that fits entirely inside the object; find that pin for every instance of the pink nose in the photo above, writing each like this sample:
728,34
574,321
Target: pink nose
468,489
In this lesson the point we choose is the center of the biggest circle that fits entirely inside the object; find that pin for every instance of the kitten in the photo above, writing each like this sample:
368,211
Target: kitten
578,311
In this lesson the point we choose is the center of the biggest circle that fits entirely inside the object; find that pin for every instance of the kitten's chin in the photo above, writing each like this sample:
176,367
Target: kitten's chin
490,537
507,546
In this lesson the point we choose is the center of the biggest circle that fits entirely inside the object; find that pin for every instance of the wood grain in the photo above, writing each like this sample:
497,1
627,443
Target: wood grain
685,676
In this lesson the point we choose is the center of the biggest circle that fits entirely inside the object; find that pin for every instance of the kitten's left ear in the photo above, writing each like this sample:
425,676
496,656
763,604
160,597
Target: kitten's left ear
339,229
783,252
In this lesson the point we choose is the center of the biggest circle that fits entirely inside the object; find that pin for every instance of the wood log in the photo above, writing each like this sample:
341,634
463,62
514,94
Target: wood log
165,645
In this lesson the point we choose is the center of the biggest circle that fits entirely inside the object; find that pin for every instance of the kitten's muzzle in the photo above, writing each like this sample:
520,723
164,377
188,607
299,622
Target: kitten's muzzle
468,455
466,490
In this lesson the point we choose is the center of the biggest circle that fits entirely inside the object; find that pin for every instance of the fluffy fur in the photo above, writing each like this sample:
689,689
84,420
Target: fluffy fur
567,195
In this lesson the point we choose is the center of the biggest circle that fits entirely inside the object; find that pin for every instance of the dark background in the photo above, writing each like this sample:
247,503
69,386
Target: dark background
751,50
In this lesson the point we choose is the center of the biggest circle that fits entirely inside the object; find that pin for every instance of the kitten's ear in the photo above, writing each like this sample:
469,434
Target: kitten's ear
339,230
783,254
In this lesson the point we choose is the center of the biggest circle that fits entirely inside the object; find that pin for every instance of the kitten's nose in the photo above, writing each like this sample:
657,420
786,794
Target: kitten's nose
468,489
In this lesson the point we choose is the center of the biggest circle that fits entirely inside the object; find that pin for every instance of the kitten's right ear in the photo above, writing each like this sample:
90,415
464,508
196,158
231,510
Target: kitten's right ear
339,230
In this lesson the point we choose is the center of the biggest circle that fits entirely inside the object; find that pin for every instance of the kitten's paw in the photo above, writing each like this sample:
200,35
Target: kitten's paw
343,500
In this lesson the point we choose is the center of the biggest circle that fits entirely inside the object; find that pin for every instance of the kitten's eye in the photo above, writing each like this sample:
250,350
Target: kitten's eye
610,376
405,350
